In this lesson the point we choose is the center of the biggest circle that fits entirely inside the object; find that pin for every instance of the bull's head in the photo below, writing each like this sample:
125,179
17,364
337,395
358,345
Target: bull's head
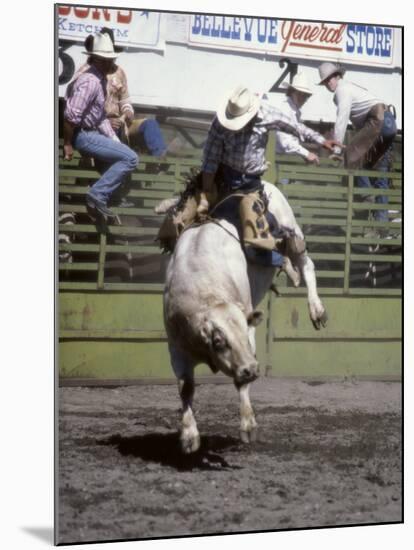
226,333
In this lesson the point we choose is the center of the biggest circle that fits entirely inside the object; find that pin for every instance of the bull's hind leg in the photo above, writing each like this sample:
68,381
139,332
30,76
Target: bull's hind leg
248,424
189,437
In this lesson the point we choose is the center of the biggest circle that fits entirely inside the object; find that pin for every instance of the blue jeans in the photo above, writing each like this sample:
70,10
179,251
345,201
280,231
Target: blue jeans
120,158
382,182
150,132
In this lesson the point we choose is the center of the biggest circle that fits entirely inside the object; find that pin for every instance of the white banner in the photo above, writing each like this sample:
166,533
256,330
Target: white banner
132,28
369,45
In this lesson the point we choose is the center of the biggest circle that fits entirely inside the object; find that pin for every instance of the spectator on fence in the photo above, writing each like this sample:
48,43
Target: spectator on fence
120,112
371,146
88,129
297,94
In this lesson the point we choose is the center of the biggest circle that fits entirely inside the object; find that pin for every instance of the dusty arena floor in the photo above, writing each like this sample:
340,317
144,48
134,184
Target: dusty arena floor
327,454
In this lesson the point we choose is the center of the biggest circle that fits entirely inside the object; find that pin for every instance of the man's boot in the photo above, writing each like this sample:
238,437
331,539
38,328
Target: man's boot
255,227
174,224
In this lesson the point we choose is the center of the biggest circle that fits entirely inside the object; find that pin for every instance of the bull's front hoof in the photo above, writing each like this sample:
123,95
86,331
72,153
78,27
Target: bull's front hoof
319,320
248,437
190,444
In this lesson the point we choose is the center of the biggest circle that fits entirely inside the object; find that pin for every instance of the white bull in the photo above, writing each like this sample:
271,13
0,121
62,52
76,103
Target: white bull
209,300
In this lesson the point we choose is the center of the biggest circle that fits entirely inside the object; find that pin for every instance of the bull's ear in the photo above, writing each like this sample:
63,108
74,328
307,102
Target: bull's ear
255,318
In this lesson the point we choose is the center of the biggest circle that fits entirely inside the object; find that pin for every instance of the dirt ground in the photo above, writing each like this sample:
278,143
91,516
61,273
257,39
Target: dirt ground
327,454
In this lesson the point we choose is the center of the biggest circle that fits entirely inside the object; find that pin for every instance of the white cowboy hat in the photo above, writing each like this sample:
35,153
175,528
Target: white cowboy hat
328,69
102,47
299,83
238,108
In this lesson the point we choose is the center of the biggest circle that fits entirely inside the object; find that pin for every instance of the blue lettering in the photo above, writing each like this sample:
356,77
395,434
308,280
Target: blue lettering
89,29
380,36
386,52
272,31
350,47
370,47
62,21
261,37
225,33
196,28
248,29
72,27
205,31
360,29
215,31
235,35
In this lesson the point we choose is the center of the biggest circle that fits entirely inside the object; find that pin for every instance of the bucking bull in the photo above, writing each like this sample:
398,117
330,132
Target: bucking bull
210,297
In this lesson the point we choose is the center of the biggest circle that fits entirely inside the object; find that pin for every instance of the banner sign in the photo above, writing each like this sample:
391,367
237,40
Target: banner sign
347,43
132,28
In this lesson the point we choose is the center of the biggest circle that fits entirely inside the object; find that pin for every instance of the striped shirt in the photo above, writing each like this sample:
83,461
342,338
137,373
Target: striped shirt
117,100
245,151
85,102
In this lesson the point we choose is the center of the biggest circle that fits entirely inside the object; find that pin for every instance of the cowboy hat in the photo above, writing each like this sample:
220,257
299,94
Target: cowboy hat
299,83
328,69
104,30
238,108
101,47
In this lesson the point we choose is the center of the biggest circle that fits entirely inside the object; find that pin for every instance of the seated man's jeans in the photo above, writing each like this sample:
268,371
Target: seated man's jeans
383,165
121,160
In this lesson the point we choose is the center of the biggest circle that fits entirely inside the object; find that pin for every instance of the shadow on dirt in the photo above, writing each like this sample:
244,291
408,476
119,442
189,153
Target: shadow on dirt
165,449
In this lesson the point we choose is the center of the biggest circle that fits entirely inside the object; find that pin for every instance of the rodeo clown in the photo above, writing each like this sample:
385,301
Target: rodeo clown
233,162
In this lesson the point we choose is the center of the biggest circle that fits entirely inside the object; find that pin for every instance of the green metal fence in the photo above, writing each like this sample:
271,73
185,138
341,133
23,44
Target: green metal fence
111,281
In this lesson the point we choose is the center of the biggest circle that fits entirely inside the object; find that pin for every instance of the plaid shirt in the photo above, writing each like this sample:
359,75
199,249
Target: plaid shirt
117,101
85,102
245,151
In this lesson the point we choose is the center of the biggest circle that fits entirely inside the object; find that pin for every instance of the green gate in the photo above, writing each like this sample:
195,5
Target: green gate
110,282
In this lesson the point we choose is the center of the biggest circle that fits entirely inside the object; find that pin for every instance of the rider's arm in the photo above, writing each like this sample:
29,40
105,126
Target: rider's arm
343,101
212,156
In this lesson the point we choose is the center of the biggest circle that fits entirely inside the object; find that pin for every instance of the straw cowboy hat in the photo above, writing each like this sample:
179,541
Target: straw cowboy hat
238,108
299,83
101,46
328,69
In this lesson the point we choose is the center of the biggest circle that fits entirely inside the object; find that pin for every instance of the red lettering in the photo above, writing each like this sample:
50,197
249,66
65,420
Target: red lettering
290,25
96,14
330,35
64,10
314,34
341,31
297,31
82,13
304,35
124,18
307,31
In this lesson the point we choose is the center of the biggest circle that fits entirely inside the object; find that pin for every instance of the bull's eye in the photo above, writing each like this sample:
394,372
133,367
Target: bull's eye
219,341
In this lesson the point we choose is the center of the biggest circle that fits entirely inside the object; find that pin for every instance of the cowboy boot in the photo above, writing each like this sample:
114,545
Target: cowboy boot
168,233
255,227
174,224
